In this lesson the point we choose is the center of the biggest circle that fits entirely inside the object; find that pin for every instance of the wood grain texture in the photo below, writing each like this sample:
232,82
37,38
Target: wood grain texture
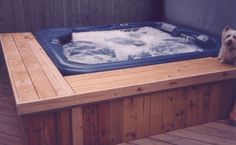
32,15
139,116
154,113
21,83
36,73
90,88
49,128
33,75
77,126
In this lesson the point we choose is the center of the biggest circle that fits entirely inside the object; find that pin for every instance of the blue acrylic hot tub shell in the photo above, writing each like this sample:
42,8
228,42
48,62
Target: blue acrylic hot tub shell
52,39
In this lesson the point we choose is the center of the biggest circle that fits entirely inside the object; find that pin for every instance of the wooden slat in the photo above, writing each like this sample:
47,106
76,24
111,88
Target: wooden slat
21,83
166,137
214,132
214,98
136,117
125,144
168,118
220,126
147,141
90,124
116,121
180,108
54,76
36,73
64,127
19,16
58,13
189,142
202,137
226,102
196,112
156,116
30,18
28,15
9,21
77,126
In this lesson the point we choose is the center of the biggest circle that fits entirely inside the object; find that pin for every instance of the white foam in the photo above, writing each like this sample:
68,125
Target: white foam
121,45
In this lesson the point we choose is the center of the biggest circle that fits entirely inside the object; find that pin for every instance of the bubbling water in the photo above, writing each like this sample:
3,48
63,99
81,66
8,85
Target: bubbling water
97,47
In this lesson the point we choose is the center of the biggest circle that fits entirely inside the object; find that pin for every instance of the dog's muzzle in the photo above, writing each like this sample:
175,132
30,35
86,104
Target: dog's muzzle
229,43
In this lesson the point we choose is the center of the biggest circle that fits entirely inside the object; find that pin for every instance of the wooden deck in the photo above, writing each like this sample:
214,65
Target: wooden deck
215,133
10,127
39,86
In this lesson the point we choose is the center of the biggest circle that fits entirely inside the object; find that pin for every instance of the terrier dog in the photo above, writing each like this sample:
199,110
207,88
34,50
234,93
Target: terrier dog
227,53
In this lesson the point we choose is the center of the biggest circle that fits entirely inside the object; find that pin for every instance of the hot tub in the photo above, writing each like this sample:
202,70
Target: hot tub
101,48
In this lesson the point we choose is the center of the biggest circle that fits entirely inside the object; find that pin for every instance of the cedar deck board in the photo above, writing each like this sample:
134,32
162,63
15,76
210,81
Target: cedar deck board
102,86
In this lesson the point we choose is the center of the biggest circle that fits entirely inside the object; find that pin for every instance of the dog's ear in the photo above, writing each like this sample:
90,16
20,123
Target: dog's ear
227,28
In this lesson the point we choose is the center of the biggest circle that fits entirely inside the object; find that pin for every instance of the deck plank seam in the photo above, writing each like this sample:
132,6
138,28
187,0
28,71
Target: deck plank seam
208,134
15,90
198,140
30,49
162,141
67,81
26,68
223,138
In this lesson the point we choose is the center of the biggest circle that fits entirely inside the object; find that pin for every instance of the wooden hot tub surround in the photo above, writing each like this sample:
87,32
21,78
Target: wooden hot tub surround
114,106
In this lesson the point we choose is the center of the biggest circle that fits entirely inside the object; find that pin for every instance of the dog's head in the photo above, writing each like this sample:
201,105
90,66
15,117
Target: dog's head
229,38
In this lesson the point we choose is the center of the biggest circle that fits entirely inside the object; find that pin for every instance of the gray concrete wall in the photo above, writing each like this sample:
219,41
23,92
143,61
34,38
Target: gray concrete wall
210,15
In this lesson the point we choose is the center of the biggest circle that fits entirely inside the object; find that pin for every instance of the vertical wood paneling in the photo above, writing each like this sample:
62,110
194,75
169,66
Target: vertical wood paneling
157,112
19,16
117,11
1,15
85,14
8,11
58,13
77,126
130,118
136,117
180,109
29,13
68,12
116,121
156,115
76,13
227,99
49,128
32,15
168,120
44,13
64,127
